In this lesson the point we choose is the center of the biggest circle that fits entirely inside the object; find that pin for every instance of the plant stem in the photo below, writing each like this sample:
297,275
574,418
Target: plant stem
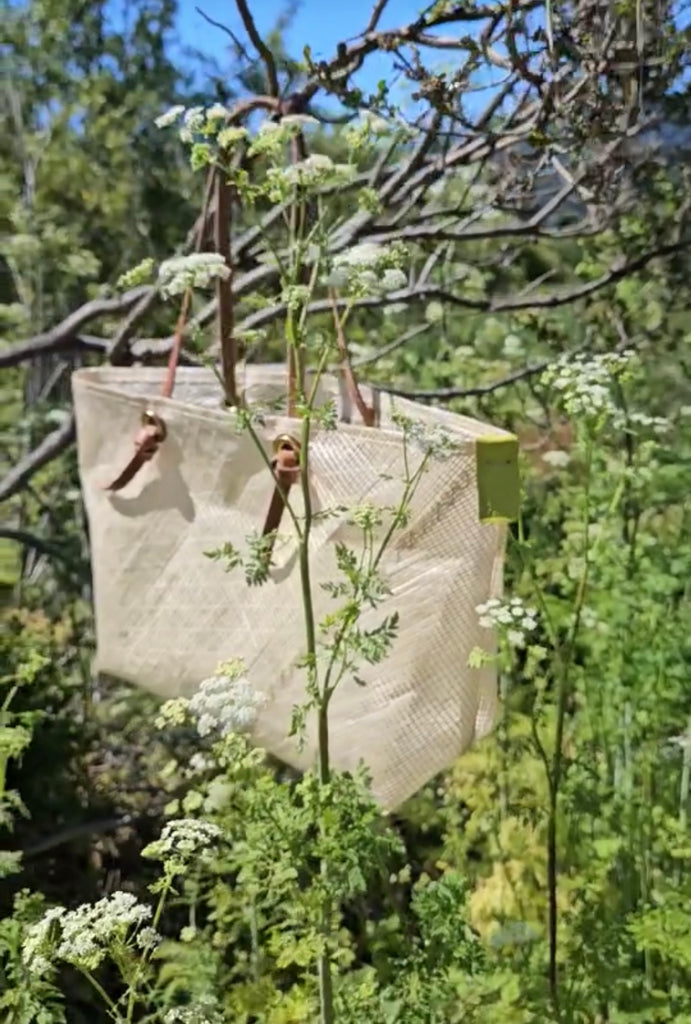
112,1008
556,773
324,959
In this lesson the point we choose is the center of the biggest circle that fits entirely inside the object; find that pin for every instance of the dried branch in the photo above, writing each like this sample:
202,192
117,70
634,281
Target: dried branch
51,446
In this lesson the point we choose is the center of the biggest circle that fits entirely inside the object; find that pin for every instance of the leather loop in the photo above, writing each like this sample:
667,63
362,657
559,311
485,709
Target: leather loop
150,436
286,469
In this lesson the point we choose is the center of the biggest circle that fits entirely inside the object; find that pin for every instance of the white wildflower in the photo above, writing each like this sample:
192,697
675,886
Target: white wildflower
197,270
317,170
192,123
170,117
196,1013
182,841
148,938
584,384
199,763
83,937
299,121
37,949
392,280
226,702
511,617
556,458
368,268
230,136
216,112
366,255
658,424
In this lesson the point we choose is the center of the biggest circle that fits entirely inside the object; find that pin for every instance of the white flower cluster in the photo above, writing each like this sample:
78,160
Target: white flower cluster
170,116
511,617
82,937
197,270
182,841
193,120
556,457
658,424
314,172
197,1013
585,384
370,127
226,703
369,269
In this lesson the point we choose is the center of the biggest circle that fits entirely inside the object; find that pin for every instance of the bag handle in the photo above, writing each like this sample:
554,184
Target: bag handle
152,432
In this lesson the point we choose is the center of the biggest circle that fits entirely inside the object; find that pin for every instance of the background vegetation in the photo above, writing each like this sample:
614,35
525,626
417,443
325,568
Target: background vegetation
544,877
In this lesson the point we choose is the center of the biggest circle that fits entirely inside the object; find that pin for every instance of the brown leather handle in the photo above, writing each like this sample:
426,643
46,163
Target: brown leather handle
151,435
285,466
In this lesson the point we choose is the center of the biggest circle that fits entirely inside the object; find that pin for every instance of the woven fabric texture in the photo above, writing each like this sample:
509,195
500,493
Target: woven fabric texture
166,615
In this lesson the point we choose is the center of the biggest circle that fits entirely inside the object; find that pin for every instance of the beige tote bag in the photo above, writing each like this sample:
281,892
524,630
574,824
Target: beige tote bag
167,615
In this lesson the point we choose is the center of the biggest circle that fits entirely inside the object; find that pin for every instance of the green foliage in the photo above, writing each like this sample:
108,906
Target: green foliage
544,878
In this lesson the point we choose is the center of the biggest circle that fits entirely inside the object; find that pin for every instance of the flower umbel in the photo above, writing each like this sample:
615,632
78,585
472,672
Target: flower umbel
584,384
198,270
510,617
83,937
226,702
182,841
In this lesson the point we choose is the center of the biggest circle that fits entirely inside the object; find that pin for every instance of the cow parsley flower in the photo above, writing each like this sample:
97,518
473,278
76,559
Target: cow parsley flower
82,937
216,112
556,458
316,171
183,841
584,385
193,122
170,117
368,269
226,702
196,1013
511,617
658,424
198,270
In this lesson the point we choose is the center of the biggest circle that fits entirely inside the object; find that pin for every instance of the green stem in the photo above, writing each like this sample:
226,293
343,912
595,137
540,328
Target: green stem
555,775
324,958
134,987
112,1008
685,785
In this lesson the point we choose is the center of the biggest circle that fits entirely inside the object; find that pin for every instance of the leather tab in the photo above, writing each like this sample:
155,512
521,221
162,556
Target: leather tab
286,469
151,435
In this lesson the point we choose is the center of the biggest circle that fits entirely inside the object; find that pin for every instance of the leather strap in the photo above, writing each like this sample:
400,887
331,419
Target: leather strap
152,432
149,438
286,470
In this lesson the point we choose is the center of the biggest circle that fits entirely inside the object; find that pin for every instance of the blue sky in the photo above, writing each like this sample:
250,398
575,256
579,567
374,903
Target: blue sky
320,24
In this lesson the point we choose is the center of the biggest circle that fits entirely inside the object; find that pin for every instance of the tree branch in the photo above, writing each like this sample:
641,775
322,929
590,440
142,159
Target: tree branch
260,46
51,446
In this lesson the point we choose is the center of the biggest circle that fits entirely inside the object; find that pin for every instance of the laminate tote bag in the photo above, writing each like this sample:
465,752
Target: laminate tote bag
166,614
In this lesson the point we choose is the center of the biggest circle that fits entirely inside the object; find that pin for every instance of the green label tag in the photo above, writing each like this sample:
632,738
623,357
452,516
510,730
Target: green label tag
498,481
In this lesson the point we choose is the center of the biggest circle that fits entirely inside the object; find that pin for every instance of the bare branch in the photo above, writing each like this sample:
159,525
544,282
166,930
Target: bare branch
64,333
260,46
51,446
376,14
447,394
